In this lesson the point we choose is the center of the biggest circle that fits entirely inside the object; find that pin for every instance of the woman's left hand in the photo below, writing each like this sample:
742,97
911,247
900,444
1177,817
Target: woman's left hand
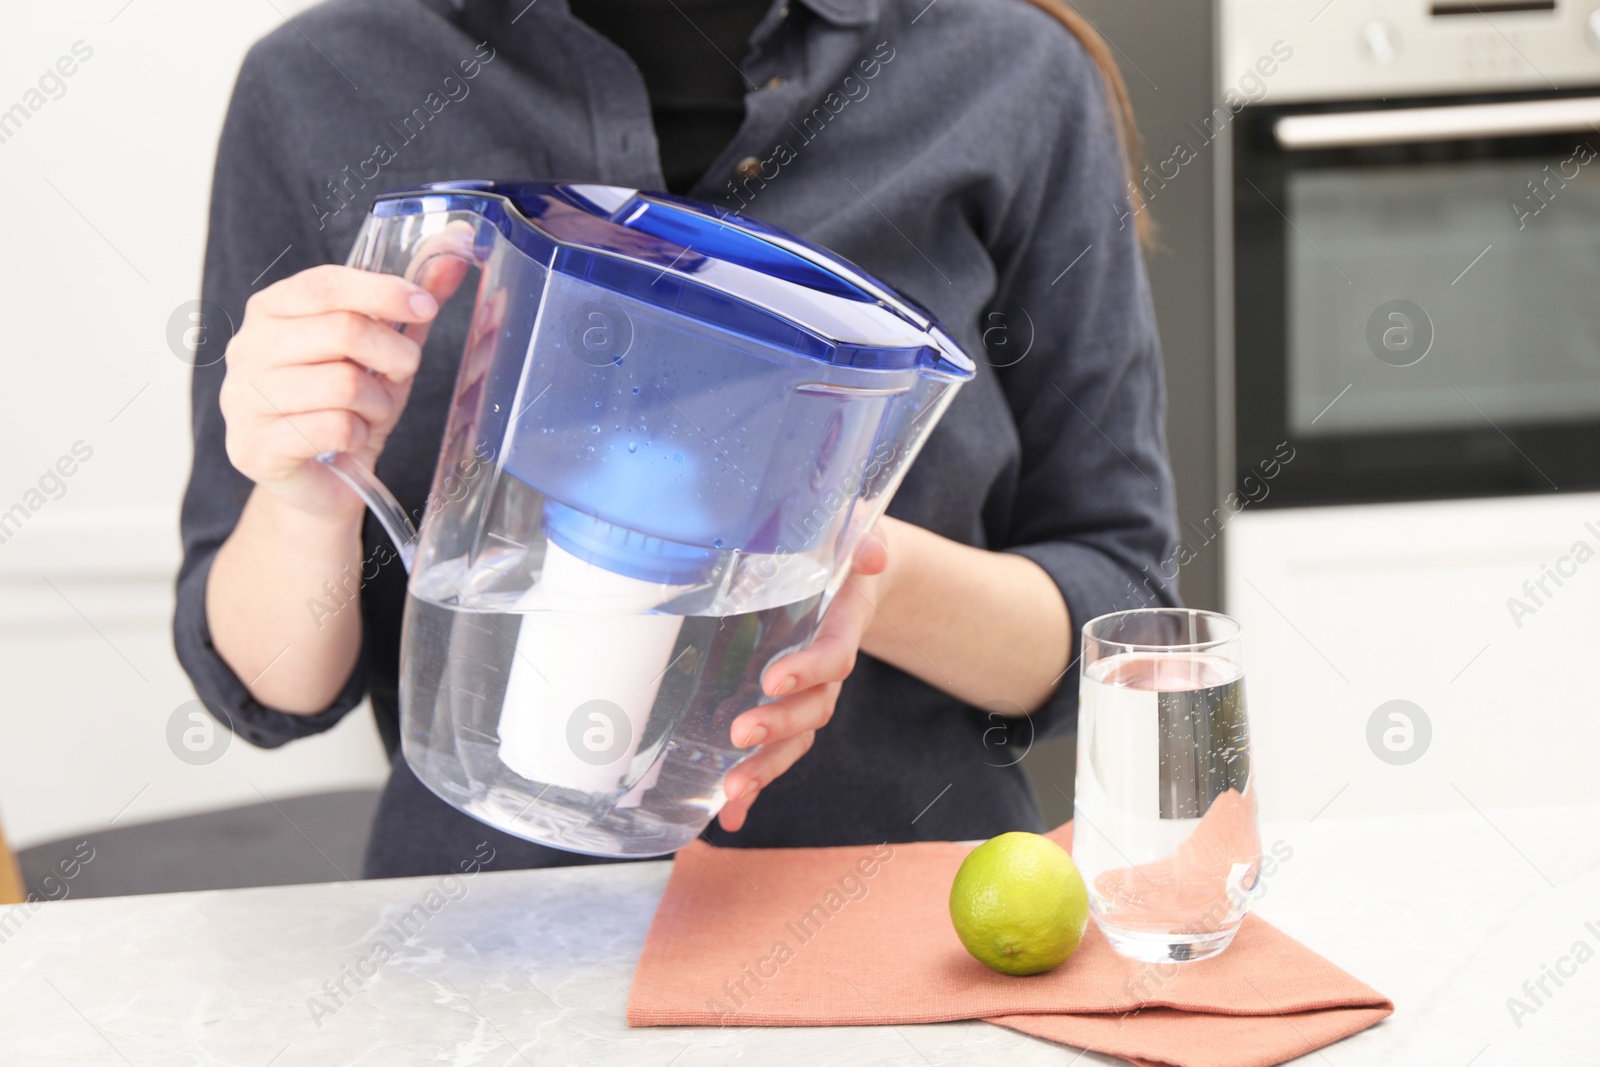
807,684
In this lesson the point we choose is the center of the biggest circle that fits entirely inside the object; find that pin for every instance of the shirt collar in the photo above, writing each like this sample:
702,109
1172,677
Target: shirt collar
838,12
845,12
842,12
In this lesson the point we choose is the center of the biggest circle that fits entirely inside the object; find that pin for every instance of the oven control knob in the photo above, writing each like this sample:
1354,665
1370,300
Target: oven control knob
1380,43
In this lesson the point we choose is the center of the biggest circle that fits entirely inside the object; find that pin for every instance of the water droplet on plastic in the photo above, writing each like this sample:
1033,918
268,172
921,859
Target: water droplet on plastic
632,447
636,390
717,543
594,429
677,459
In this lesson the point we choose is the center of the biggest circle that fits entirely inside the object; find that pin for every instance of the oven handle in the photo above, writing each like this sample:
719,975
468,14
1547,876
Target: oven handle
1521,119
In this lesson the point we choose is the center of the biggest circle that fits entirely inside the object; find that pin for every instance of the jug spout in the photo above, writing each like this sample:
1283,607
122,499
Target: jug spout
950,363
384,507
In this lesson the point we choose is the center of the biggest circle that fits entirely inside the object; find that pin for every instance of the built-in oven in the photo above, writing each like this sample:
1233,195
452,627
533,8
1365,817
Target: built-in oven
1415,220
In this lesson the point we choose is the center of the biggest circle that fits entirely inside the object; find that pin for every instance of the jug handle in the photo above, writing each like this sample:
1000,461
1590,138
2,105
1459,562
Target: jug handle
384,507
373,493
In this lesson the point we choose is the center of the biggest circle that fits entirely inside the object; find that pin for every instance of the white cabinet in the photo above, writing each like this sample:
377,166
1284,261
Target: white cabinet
1481,613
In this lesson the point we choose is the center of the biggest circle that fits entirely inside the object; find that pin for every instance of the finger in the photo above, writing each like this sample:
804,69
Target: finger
761,769
831,655
276,446
872,555
333,386
455,241
745,782
319,290
734,813
809,709
341,335
441,276
439,264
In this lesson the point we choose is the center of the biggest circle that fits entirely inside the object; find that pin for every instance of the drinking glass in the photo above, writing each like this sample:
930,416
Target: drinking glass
1165,812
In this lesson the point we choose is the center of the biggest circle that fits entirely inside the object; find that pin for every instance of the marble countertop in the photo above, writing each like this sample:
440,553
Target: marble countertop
1449,914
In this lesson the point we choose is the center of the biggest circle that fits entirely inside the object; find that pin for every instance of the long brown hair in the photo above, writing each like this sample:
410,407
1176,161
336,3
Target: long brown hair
1117,95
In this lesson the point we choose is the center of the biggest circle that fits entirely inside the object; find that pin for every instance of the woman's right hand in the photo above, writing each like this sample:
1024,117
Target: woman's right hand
317,366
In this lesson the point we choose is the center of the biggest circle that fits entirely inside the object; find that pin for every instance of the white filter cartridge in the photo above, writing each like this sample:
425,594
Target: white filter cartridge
589,662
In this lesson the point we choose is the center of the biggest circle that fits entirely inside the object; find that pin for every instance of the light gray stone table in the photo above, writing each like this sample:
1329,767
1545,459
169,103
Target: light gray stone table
1449,914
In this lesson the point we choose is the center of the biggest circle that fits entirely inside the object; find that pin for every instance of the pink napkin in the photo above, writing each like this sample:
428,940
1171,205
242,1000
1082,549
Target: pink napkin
861,936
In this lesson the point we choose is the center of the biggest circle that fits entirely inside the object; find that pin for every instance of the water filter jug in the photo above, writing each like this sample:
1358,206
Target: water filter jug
671,427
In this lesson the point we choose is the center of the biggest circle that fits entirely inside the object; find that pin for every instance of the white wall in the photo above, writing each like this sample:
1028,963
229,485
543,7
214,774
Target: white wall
1348,608
105,191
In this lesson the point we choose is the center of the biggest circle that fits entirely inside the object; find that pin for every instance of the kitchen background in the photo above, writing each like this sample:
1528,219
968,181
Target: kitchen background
1411,561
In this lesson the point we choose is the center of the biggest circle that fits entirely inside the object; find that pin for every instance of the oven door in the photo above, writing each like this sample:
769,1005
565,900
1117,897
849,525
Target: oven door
1417,297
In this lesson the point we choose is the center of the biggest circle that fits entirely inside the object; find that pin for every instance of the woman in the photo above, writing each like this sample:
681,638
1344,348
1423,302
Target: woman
967,154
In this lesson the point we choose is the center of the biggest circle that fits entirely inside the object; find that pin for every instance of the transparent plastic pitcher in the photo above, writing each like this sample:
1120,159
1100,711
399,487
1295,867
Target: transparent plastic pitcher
670,429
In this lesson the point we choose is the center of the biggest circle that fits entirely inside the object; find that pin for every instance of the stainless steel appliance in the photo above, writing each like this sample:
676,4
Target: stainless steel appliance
1415,219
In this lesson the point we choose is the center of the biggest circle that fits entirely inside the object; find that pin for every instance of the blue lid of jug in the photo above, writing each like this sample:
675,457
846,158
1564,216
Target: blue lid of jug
706,264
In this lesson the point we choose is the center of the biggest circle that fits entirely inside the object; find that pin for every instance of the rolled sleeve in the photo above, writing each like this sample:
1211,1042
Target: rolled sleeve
261,228
1095,504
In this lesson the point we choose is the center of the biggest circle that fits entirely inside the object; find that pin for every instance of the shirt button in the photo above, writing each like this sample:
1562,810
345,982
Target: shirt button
747,168
773,82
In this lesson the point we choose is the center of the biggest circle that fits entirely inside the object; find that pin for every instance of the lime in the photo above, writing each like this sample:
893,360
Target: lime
1019,904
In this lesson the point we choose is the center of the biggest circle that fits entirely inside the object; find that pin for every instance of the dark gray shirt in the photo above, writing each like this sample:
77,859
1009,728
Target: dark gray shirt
962,152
